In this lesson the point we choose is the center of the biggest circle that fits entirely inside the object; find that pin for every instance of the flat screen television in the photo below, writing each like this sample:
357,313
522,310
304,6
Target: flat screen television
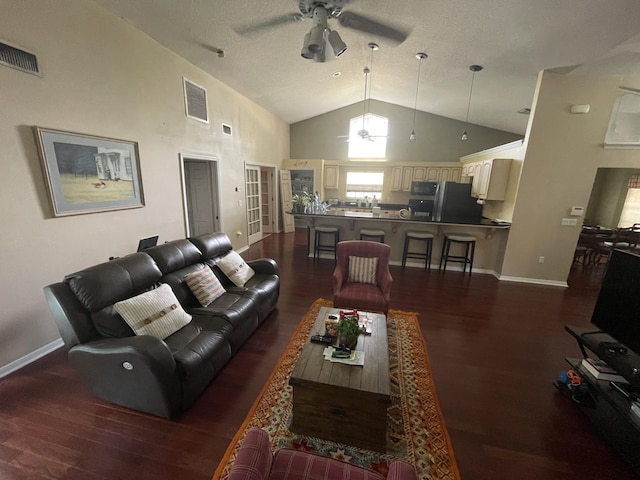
148,242
617,310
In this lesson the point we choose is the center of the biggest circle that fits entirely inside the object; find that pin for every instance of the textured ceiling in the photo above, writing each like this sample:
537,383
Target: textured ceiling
512,39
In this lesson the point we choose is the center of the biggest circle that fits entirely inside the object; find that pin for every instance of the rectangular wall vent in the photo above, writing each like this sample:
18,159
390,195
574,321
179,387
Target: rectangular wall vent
195,98
19,59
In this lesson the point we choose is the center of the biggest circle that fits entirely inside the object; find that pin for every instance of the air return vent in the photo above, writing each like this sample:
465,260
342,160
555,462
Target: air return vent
19,59
195,98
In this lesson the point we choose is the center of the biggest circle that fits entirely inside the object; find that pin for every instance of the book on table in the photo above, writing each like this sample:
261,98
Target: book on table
601,371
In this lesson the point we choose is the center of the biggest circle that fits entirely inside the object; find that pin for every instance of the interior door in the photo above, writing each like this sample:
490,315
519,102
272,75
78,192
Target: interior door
200,184
266,199
288,224
254,206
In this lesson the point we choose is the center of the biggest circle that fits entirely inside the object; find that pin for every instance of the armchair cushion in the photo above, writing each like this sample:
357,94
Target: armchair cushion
156,312
363,269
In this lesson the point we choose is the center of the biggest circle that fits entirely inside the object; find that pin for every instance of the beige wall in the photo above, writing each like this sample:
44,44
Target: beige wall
563,152
438,138
101,76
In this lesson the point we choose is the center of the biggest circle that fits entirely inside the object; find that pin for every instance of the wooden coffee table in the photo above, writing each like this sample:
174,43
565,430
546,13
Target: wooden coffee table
343,403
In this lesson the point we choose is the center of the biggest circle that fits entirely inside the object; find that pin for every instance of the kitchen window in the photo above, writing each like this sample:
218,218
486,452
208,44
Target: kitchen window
364,184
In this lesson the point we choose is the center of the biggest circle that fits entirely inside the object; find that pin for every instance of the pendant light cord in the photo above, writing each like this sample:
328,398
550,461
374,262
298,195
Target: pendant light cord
473,76
415,103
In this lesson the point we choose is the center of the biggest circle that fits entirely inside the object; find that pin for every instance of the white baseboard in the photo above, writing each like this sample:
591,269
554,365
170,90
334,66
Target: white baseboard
30,357
536,281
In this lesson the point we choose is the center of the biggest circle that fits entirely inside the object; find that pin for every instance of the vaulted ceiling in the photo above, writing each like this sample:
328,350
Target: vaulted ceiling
512,39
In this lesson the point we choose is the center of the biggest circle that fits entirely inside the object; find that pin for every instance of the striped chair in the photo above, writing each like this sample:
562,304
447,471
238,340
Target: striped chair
364,281
255,461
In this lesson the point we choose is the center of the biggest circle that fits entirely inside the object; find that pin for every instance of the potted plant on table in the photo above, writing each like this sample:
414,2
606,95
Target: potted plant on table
299,202
348,331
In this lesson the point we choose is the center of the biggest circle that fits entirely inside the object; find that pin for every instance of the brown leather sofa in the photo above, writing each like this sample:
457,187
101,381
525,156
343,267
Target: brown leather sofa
142,372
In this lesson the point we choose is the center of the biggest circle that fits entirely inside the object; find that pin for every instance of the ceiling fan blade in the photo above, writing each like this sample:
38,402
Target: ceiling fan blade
368,25
259,28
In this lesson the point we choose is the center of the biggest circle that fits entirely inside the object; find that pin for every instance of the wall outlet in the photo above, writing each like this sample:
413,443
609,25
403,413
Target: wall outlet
540,259
239,203
568,222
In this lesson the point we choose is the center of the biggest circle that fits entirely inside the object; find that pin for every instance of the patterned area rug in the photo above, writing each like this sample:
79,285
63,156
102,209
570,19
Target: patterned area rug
415,427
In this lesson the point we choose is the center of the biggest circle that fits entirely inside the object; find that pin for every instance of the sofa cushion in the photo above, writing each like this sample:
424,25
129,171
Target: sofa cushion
204,285
235,268
156,312
109,282
198,351
363,269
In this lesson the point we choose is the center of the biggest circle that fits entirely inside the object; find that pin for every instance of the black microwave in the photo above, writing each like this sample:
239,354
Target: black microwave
424,188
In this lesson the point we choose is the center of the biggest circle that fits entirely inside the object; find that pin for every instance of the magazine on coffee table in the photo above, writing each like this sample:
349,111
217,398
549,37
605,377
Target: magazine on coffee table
356,357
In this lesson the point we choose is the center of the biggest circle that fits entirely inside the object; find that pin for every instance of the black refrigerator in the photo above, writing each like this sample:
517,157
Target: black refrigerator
454,203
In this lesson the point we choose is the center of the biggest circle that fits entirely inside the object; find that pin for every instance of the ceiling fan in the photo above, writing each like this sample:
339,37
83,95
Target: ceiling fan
320,11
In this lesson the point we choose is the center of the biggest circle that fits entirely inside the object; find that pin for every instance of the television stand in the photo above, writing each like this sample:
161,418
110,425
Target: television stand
615,411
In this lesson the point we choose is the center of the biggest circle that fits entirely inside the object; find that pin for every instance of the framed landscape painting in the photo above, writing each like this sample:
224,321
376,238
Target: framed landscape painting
89,174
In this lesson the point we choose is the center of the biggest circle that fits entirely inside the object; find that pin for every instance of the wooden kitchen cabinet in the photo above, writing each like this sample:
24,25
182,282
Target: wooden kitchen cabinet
331,173
449,174
490,178
420,174
396,179
407,178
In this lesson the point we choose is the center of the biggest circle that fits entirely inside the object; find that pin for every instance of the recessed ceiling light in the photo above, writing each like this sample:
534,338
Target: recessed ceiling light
336,74
525,111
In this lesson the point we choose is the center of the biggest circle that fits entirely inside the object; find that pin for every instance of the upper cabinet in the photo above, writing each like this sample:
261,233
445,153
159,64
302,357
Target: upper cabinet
401,177
490,178
331,176
396,179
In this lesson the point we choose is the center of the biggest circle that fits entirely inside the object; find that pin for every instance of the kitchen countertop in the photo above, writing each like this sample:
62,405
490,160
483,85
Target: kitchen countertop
395,216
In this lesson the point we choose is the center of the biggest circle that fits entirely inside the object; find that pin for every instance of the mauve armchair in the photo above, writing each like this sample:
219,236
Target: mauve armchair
363,296
255,461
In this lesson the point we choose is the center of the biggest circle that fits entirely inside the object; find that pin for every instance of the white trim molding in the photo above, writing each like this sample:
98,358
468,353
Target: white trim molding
30,357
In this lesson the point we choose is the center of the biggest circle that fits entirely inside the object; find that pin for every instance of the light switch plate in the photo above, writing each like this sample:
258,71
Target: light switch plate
569,222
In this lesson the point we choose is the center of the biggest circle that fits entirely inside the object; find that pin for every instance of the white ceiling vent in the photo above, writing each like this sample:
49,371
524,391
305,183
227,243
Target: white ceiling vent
19,59
195,99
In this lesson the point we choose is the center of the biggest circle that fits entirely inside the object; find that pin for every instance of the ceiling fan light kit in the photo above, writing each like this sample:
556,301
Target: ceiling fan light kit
474,69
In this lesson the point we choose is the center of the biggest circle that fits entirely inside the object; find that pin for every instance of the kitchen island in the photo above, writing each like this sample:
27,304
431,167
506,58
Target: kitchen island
491,237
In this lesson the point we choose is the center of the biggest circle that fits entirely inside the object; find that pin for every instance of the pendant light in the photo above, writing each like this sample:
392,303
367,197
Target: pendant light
364,133
474,69
412,136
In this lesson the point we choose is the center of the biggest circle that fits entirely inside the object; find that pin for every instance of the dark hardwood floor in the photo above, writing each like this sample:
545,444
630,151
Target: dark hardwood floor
495,348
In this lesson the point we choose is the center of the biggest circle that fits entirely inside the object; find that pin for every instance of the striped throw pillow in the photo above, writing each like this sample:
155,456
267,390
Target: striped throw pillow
156,312
204,285
363,270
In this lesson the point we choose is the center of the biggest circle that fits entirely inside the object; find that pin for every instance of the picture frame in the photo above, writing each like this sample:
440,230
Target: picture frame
89,174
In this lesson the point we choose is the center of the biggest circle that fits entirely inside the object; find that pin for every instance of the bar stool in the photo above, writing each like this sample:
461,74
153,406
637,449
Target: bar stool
469,243
325,247
425,237
374,235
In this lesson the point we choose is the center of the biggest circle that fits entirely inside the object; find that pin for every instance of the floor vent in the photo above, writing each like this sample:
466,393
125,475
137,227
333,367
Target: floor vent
195,98
19,59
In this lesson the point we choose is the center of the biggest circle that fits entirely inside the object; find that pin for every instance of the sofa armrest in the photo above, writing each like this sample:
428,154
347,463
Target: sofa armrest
264,265
254,457
401,470
137,372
